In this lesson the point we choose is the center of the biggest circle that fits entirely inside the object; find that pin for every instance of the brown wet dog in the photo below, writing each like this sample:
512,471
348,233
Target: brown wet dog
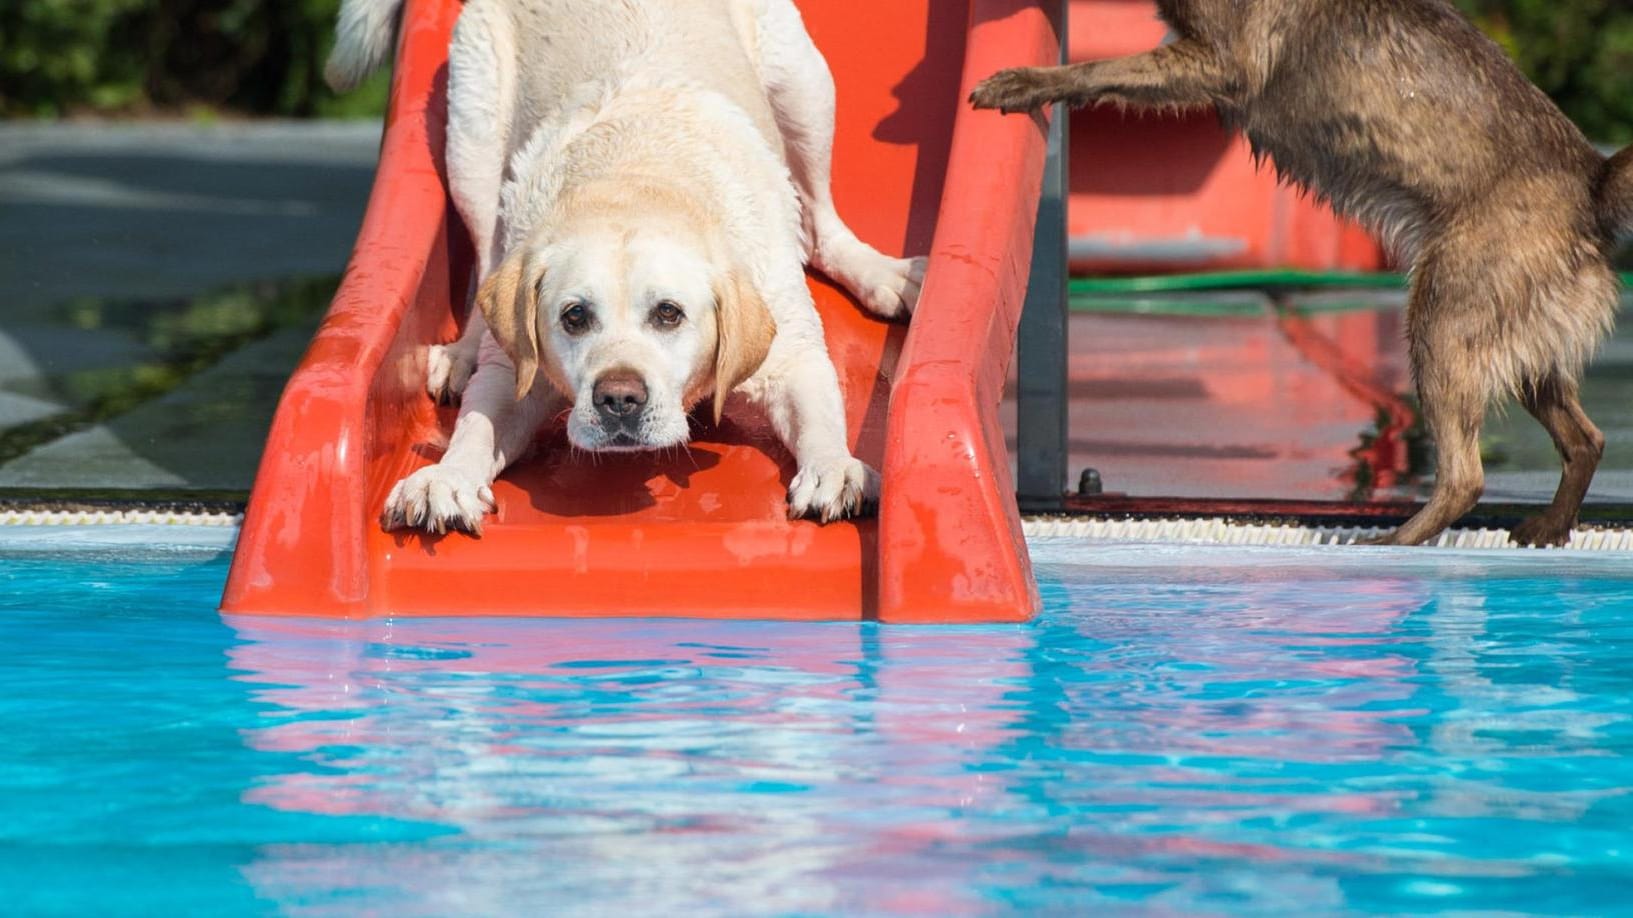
1407,118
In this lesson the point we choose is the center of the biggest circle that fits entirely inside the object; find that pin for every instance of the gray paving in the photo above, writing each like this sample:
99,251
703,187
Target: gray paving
206,434
146,210
140,213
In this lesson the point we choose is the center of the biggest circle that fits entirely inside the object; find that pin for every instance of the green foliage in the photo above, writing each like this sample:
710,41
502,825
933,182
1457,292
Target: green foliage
265,57
260,57
1579,51
59,51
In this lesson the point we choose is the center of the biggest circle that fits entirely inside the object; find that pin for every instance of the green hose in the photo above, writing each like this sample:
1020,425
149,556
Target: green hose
1233,293
1234,280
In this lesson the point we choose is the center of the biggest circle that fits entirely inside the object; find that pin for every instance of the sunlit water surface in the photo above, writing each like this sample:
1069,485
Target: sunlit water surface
1184,730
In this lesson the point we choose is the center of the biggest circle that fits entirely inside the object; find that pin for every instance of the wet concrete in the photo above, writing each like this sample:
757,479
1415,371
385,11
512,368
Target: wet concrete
1199,402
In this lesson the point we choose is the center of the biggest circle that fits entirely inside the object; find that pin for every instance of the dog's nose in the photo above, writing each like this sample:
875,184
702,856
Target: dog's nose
620,395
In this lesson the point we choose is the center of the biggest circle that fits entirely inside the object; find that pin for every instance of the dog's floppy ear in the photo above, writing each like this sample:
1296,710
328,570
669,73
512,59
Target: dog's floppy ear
745,332
509,300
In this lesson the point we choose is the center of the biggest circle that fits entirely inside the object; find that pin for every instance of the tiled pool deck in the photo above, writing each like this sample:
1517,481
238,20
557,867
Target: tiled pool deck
160,281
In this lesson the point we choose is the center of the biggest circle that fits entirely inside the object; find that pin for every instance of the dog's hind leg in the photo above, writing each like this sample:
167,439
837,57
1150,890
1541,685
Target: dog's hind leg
1444,318
1454,407
801,90
1554,403
1567,320
481,88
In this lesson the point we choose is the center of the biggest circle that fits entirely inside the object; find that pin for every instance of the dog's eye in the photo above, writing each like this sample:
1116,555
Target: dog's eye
667,315
575,319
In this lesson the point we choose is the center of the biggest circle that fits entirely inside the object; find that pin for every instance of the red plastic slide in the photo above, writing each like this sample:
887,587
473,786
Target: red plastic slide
703,532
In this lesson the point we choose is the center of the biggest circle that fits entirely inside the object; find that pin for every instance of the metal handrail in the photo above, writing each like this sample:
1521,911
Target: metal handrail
1041,345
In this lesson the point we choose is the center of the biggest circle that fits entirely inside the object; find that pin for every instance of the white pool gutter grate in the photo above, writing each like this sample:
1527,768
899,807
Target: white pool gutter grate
1223,531
117,518
1206,531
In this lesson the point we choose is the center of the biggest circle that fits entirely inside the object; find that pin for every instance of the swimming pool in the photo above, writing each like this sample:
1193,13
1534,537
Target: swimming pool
1184,730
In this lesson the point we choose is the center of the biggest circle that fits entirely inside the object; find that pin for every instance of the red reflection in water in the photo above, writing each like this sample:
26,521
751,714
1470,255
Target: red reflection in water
495,726
1240,406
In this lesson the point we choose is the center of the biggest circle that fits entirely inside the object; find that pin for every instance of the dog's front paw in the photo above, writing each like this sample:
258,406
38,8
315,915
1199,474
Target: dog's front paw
834,489
448,368
1020,89
438,499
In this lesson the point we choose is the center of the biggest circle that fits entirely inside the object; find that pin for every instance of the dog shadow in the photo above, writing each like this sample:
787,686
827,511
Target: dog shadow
565,482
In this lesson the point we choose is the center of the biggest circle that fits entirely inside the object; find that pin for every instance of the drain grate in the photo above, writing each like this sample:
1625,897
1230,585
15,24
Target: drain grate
1226,531
134,517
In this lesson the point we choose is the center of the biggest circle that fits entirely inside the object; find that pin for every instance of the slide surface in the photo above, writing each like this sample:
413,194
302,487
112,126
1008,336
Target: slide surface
700,532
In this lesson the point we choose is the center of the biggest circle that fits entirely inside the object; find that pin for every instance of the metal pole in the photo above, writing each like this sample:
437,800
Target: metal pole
1041,396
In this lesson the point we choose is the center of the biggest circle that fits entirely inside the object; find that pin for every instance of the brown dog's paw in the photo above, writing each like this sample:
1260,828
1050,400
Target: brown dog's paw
1021,89
1542,531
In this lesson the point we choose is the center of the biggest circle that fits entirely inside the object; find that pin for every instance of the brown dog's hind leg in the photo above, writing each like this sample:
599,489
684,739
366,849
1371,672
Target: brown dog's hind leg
1554,403
1452,390
1459,478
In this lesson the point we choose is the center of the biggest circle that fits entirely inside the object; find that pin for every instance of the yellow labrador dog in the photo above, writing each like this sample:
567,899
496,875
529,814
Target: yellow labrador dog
644,182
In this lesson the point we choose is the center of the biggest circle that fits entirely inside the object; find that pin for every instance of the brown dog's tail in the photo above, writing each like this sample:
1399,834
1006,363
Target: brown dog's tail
1616,194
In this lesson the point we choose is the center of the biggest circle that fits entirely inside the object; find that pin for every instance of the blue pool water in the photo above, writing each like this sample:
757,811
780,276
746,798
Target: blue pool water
1184,731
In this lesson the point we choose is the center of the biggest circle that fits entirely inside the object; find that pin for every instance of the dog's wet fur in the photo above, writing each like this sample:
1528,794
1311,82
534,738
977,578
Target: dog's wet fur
1406,117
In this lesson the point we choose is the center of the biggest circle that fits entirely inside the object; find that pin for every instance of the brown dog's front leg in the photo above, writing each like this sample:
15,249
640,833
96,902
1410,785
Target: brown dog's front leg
1023,89
1184,74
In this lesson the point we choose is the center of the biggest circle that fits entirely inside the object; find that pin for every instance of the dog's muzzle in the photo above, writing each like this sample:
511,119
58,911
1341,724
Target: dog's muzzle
620,401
